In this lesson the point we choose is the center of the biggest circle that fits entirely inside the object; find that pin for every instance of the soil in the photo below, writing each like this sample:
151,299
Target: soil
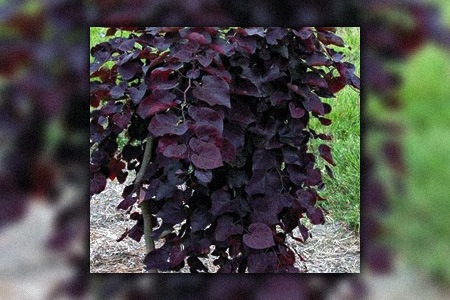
332,248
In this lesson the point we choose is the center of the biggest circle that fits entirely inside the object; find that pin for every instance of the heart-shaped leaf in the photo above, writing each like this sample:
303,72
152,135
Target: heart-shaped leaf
214,91
259,237
325,153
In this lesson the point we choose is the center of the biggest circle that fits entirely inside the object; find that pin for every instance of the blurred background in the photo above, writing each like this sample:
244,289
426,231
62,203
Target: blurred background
405,220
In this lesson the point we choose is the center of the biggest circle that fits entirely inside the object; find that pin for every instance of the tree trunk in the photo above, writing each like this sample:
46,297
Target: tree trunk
144,205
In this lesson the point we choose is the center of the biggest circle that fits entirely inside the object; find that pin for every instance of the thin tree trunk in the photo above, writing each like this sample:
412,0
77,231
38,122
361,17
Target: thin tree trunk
144,205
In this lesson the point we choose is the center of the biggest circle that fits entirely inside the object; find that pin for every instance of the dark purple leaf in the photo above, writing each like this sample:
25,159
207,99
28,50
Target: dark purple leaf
355,82
329,171
93,67
301,90
196,264
137,231
278,97
224,74
186,53
210,134
166,141
326,108
221,203
127,44
203,175
207,155
172,212
241,114
193,74
115,168
272,74
236,178
379,259
259,237
176,256
296,112
162,124
296,174
267,217
214,91
228,151
117,91
226,228
303,33
335,56
314,79
159,101
129,69
307,199
127,202
160,77
161,190
254,31
111,107
347,71
157,259
175,151
245,43
314,177
325,153
262,262
246,88
313,104
199,38
264,160
304,232
137,93
206,116
274,34
336,84
200,219
101,52
325,121
329,38
235,134
316,216
98,183
262,181
392,151
206,59
235,246
222,47
122,119
291,155
318,59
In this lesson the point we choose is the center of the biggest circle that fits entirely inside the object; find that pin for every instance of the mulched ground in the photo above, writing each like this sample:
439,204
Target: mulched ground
332,248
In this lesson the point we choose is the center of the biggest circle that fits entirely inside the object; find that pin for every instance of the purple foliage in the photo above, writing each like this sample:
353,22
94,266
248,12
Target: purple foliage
229,114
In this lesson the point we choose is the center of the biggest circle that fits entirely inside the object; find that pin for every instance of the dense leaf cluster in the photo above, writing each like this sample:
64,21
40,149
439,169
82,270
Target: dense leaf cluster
228,112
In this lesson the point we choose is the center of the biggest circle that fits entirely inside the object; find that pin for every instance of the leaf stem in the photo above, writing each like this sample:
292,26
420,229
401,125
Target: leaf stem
185,99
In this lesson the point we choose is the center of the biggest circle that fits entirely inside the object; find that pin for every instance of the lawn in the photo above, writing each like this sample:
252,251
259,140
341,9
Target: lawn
420,219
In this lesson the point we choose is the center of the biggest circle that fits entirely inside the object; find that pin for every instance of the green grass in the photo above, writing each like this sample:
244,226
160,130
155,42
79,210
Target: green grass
420,219
97,35
343,192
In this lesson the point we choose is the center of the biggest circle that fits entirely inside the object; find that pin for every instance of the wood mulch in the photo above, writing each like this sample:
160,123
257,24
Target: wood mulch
332,248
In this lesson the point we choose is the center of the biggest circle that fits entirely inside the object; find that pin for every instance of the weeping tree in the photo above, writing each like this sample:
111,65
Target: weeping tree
216,124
